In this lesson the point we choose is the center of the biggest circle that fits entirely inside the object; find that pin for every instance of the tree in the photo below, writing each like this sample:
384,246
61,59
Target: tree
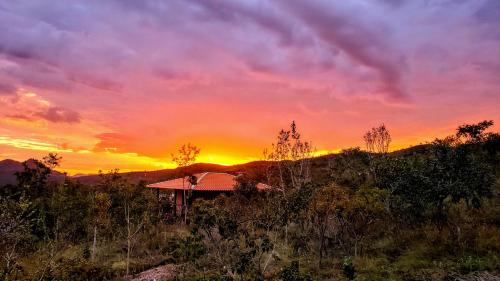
359,216
292,158
474,132
378,139
350,168
444,174
186,156
246,187
101,205
33,178
129,208
14,234
324,207
33,183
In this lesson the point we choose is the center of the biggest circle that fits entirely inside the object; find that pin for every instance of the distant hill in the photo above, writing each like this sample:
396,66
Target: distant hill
9,167
166,174
319,166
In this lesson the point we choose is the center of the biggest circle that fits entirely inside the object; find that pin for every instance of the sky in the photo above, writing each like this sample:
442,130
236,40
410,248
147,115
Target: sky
122,84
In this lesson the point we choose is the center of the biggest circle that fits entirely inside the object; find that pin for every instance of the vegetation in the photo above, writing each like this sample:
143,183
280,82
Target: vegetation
430,212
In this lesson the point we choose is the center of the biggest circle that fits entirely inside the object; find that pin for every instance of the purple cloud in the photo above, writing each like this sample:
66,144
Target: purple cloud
59,115
112,55
7,89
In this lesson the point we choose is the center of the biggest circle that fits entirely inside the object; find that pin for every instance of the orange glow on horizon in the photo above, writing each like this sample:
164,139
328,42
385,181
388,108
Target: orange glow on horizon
115,86
90,162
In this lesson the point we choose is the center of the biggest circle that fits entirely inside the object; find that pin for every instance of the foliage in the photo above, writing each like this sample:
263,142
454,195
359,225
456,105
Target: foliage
186,156
425,213
291,159
474,132
444,175
350,168
292,273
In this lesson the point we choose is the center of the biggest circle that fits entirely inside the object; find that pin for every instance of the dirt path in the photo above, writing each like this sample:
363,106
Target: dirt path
161,273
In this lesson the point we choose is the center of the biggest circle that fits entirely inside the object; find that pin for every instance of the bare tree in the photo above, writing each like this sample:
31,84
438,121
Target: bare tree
101,205
130,232
186,155
292,157
378,139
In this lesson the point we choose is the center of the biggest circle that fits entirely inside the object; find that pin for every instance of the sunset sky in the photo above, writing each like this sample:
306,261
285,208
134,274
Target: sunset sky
122,84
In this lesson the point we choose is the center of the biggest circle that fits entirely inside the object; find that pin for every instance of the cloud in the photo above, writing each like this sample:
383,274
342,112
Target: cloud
342,29
158,73
59,115
7,89
19,116
112,142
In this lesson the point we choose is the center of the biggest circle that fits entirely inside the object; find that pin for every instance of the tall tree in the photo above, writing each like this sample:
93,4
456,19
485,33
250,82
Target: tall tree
291,156
101,205
186,155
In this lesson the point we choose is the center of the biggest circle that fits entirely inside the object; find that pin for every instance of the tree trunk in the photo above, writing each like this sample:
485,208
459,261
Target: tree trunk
286,235
94,243
127,216
185,209
355,247
128,253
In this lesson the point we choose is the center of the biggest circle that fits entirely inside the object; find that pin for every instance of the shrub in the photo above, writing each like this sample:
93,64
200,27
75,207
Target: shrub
292,273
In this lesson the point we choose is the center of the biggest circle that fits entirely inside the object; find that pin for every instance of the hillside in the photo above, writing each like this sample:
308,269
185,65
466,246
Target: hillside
9,167
360,217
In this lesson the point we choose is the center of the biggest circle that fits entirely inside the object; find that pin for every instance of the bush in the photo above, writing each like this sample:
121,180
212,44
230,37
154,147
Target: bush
292,273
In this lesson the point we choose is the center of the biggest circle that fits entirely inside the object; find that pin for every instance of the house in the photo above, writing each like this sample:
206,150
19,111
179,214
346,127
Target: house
206,185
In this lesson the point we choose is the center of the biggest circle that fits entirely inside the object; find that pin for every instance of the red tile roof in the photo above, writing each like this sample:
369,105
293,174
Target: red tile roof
205,182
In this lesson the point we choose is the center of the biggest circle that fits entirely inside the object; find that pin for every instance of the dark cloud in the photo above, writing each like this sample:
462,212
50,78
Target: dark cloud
47,45
264,14
363,47
367,45
59,115
341,30
489,12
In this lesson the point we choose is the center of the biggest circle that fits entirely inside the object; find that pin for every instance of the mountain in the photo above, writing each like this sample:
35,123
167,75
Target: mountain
319,167
9,167
166,174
